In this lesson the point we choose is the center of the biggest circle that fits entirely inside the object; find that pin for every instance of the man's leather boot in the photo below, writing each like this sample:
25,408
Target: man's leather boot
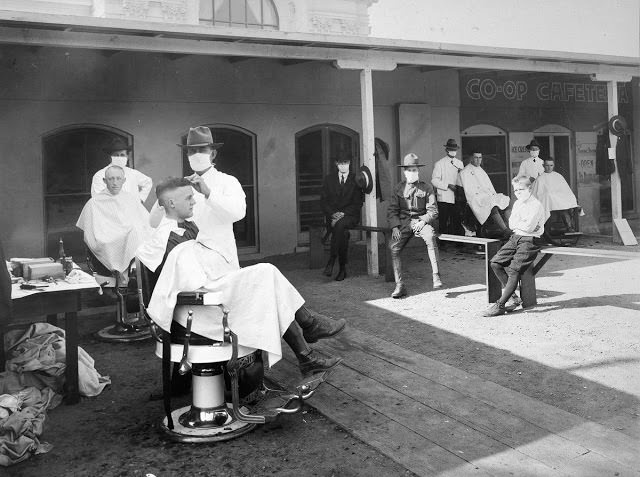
328,270
315,326
399,291
312,363
342,273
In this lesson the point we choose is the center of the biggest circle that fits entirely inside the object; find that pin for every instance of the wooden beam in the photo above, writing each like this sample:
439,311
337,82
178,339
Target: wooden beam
9,35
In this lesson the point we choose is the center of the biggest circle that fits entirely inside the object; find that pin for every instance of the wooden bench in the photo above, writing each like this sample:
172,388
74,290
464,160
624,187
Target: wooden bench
491,246
528,279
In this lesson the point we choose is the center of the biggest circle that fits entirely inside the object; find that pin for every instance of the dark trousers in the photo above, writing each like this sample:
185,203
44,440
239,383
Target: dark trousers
511,261
449,219
340,237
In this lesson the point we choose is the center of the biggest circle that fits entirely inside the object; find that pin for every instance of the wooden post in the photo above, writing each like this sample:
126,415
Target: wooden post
368,148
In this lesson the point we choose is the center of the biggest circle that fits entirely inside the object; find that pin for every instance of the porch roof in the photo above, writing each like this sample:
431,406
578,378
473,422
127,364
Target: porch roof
377,53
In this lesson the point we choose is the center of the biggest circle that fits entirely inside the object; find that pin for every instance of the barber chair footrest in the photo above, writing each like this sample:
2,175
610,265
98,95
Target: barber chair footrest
188,426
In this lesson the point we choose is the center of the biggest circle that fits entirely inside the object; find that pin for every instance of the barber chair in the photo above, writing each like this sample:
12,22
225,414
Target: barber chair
557,232
229,397
122,330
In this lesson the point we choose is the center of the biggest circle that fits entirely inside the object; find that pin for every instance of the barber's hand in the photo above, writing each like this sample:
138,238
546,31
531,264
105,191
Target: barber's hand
417,226
452,187
395,234
337,215
199,184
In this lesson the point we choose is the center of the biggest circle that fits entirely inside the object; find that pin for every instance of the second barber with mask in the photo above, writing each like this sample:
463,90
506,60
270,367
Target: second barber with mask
219,197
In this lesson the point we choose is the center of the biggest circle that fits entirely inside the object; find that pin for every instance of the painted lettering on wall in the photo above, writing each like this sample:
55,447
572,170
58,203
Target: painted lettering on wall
489,89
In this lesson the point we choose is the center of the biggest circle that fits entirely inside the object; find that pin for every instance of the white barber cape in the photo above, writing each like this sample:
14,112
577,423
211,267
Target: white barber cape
136,183
215,215
261,301
480,193
553,192
531,167
114,226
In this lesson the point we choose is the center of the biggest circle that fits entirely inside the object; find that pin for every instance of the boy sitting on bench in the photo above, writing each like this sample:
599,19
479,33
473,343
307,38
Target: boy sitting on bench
527,223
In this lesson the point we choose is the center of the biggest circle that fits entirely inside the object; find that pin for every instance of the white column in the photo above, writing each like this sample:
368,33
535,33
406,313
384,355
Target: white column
616,191
368,148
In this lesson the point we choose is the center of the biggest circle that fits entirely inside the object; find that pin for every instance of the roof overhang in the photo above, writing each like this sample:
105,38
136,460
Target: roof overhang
133,35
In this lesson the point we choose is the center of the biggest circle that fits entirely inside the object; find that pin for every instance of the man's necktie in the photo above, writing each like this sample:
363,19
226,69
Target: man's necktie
341,179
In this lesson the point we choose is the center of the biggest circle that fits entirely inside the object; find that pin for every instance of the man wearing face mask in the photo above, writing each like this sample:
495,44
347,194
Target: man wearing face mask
412,212
444,180
136,183
341,203
512,260
532,167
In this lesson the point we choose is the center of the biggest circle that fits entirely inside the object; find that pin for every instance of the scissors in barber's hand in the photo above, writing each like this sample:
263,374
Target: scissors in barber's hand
198,183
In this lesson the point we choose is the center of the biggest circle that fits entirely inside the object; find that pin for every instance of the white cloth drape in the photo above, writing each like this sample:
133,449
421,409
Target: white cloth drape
480,193
553,192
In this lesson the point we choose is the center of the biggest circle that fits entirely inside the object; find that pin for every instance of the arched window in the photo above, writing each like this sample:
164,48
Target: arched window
71,156
260,14
316,150
492,143
237,158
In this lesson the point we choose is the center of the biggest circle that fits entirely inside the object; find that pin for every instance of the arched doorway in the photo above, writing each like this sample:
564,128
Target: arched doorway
555,142
492,143
317,148
237,158
71,155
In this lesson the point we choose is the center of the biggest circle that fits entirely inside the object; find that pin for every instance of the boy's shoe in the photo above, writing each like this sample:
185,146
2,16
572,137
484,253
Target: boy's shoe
495,309
513,302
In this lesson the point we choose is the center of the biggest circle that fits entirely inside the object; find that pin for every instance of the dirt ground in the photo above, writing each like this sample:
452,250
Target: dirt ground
117,434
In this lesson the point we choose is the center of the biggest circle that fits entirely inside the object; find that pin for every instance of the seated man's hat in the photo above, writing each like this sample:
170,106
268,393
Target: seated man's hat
411,160
451,144
200,136
364,179
117,144
617,125
533,143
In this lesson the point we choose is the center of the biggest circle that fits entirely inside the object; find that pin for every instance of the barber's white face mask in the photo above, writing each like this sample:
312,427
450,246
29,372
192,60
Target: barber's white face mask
411,176
120,161
452,153
343,168
200,161
534,154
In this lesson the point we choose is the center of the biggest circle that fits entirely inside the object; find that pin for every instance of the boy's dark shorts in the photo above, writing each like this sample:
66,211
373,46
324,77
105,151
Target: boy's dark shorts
517,254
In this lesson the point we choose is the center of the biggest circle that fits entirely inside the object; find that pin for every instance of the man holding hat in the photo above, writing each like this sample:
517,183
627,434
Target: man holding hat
135,182
532,167
444,180
341,201
412,211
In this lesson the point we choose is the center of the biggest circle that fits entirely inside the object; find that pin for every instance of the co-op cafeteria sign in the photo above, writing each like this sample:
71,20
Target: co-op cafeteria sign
537,90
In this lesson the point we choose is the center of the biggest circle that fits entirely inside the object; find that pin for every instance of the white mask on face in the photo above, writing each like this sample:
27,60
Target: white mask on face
200,161
120,161
534,154
343,168
523,194
452,153
411,176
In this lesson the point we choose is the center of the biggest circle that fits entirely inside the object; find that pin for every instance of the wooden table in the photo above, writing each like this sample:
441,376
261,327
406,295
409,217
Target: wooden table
57,298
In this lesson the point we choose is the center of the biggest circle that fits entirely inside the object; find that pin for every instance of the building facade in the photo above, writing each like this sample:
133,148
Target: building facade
288,87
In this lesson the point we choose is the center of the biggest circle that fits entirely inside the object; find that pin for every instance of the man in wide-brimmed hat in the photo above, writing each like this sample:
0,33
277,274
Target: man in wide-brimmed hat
412,212
135,182
532,166
444,179
341,202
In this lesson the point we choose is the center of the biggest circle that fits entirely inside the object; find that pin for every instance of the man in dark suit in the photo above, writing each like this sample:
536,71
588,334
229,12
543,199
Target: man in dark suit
341,200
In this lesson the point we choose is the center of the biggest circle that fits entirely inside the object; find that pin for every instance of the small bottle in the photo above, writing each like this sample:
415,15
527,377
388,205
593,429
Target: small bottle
61,251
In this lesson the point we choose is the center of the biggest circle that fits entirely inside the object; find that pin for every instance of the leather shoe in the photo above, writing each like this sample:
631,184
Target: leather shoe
495,309
322,327
328,270
342,274
313,363
399,291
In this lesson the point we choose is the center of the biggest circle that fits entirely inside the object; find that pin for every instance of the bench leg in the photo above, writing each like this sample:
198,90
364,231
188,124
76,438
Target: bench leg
316,248
528,288
494,287
388,266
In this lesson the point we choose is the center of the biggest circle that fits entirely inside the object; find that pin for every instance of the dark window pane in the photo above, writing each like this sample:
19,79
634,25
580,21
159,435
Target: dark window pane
62,214
64,164
494,158
561,156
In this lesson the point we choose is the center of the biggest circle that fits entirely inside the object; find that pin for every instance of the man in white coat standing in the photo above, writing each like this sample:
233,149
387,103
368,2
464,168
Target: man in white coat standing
531,167
136,183
481,196
444,180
